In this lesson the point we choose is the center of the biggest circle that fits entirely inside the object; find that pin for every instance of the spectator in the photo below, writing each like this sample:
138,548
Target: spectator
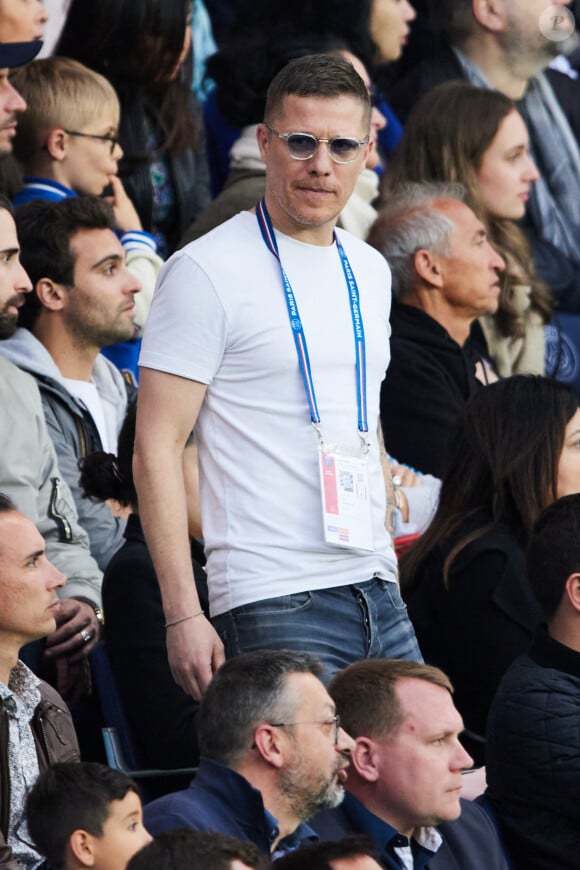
273,754
404,783
22,22
30,476
477,137
11,103
164,168
162,717
445,275
35,724
83,300
86,815
67,145
375,31
246,181
335,590
512,454
350,853
198,850
505,48
533,745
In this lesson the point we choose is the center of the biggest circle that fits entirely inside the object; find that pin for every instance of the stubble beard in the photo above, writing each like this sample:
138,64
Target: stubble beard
307,797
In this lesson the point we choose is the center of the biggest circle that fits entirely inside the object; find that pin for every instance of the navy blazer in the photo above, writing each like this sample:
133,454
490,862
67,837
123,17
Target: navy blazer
469,843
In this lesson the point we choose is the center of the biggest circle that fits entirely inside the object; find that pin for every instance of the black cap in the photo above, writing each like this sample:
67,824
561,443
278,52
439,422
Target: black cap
18,53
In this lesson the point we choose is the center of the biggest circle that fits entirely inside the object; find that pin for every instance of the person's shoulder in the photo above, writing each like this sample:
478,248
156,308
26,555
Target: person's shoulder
233,231
473,839
332,824
15,379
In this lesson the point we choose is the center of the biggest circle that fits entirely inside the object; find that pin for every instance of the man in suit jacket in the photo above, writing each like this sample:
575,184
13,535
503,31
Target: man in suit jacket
404,782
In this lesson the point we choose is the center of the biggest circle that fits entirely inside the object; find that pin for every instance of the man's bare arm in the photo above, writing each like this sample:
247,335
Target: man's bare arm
167,409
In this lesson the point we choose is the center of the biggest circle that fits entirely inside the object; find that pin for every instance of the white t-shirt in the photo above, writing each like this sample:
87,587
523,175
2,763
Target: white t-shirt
103,412
219,317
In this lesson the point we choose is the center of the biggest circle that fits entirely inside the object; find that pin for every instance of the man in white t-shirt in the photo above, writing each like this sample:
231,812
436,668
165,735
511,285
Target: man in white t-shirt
270,335
82,301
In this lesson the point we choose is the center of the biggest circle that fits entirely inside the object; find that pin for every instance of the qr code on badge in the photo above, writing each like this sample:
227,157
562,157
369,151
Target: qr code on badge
347,481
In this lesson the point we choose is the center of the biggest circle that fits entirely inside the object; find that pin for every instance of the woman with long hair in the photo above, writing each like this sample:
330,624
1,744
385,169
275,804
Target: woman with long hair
515,449
144,48
476,136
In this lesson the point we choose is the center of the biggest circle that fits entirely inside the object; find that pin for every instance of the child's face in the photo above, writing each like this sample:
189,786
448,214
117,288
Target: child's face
123,834
90,162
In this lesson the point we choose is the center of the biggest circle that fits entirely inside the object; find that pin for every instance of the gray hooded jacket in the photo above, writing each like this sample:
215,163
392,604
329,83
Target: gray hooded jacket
73,431
30,476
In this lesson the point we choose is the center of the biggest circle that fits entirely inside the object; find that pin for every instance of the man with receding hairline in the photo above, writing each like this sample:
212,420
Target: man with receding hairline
35,725
272,754
445,276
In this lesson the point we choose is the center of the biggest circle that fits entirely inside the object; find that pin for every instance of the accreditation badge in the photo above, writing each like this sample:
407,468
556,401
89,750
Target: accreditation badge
346,499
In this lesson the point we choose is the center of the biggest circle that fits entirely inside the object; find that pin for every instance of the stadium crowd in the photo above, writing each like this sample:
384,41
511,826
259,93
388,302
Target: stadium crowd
289,434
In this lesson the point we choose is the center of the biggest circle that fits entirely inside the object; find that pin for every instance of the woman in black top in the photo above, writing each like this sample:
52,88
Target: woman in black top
516,449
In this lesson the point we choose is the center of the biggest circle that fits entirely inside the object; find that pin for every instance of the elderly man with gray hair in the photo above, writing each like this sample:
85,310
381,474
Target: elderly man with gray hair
445,275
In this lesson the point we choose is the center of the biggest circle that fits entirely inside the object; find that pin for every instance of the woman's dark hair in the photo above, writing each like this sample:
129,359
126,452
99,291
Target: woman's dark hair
346,19
104,475
445,139
137,44
243,69
503,466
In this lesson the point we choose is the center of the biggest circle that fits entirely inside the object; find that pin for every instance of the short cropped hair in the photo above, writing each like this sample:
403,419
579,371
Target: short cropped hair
246,691
411,222
68,797
365,694
317,75
59,92
319,855
453,20
184,849
554,551
44,231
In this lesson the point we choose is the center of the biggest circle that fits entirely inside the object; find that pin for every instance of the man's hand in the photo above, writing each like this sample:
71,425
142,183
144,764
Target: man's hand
77,631
126,217
195,652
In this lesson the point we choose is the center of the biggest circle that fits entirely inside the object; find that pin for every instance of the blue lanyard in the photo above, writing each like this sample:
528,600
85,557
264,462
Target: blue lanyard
267,231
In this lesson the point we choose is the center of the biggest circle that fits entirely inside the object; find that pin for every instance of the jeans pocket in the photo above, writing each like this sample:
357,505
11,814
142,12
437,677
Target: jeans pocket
392,591
283,605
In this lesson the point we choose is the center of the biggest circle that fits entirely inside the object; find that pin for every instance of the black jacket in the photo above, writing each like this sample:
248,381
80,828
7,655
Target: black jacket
429,380
162,717
533,757
189,174
474,627
469,843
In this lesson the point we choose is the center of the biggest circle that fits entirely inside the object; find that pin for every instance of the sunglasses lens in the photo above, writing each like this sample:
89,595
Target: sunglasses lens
301,145
344,150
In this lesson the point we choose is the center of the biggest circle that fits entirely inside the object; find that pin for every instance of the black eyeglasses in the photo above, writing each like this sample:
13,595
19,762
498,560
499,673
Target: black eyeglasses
332,720
106,137
302,146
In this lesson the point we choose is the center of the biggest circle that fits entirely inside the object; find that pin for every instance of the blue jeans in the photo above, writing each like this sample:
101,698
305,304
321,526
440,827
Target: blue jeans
338,626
